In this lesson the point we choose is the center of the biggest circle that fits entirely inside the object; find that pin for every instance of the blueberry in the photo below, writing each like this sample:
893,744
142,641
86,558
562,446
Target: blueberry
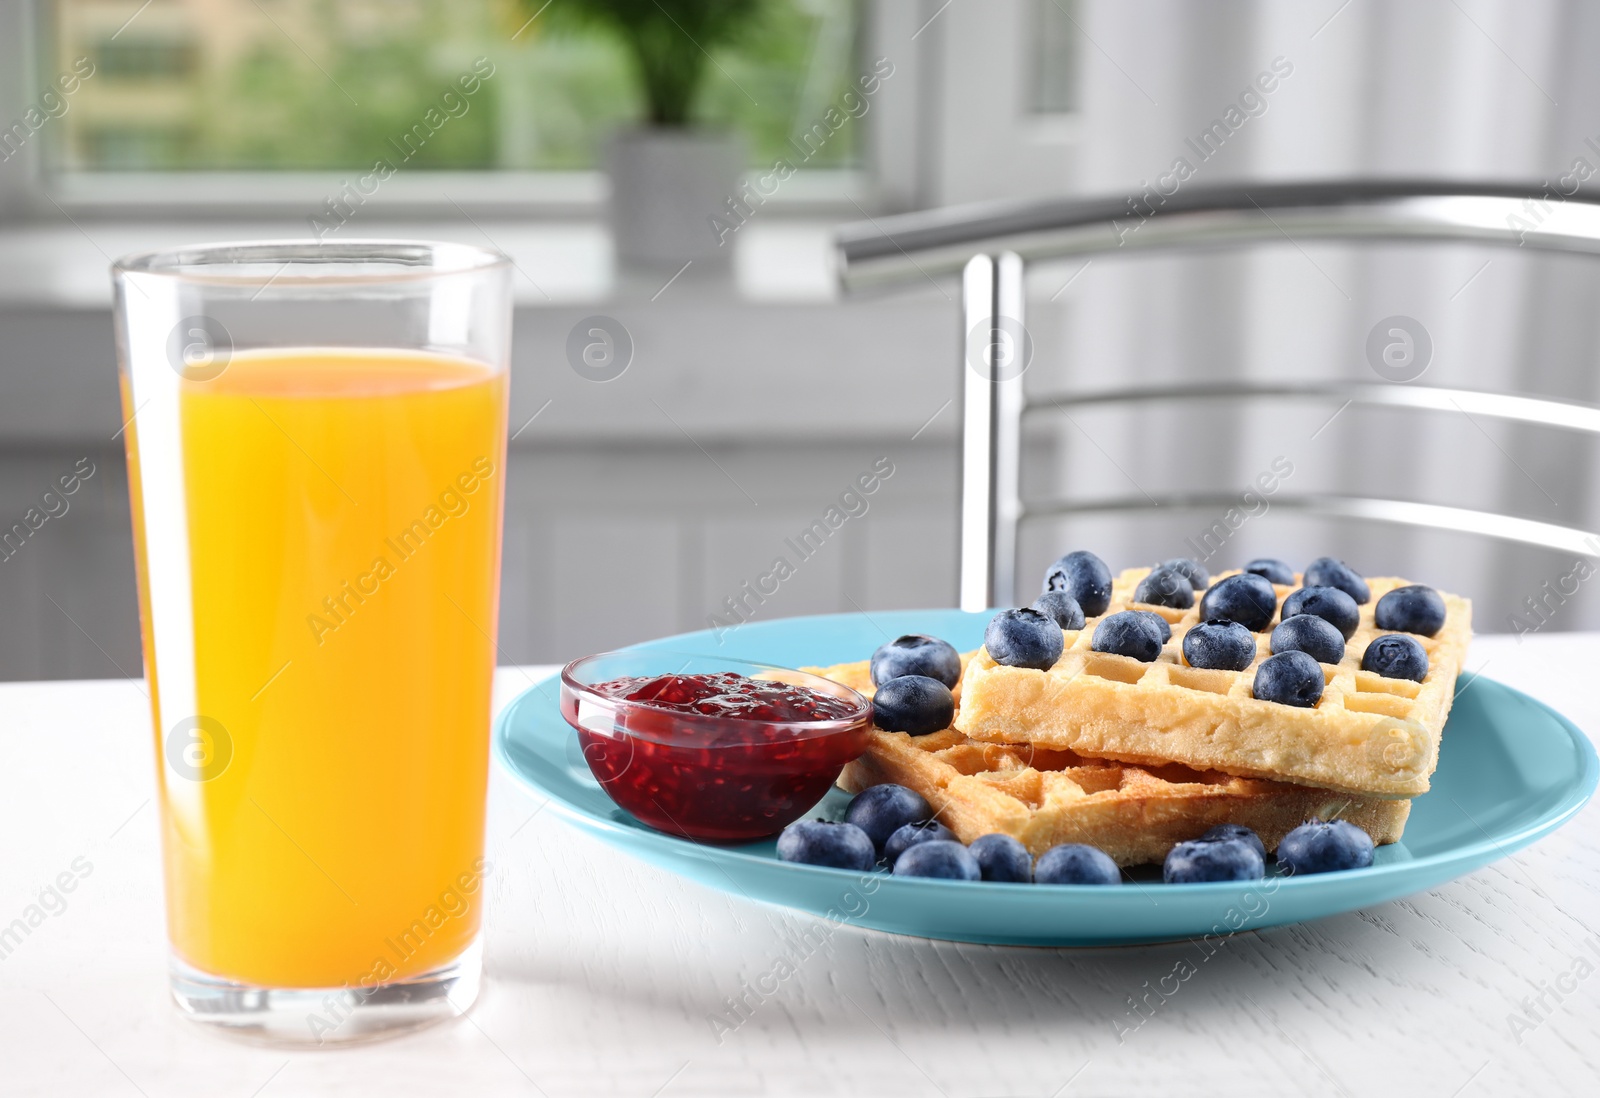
1245,598
1060,607
1219,644
1235,833
917,654
1002,858
1289,678
1192,570
1076,864
909,835
881,810
1024,638
1309,634
914,704
1162,627
821,842
1396,656
1328,572
1085,577
1272,568
1330,604
1128,634
1317,847
1165,586
942,858
1211,860
1413,609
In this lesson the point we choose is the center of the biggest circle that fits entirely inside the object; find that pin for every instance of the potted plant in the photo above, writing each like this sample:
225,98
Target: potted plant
668,176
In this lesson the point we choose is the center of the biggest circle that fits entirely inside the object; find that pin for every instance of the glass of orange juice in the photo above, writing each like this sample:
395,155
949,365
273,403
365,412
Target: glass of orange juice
316,444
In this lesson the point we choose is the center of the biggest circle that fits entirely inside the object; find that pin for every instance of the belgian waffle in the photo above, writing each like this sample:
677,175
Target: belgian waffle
1044,797
1368,736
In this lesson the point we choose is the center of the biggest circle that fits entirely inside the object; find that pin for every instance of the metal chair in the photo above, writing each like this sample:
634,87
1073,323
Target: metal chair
991,243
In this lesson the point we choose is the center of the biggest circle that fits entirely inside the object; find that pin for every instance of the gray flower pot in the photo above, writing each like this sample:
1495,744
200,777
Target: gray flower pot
666,186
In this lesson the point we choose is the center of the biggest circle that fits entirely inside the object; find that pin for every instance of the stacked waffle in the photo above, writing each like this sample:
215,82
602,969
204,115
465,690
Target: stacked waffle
1133,757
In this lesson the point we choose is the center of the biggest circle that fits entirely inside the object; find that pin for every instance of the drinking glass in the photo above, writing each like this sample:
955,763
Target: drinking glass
316,444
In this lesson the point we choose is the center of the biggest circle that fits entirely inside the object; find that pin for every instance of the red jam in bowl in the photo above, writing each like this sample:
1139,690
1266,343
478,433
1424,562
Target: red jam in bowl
716,756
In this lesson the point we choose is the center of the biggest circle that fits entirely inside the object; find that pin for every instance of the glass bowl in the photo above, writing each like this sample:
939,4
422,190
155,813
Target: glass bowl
704,776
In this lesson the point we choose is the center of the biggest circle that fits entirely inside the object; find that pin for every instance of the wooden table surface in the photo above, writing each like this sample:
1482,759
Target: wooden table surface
606,976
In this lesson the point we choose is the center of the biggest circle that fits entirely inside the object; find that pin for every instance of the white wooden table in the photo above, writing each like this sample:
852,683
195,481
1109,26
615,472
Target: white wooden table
605,976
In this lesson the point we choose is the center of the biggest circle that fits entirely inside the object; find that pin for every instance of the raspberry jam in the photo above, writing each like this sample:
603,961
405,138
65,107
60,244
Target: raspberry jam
717,756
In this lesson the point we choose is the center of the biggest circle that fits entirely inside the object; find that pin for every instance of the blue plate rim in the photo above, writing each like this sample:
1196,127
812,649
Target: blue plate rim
1472,853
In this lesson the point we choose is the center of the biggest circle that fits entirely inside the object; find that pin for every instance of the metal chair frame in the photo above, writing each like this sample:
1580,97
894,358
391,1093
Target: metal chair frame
991,244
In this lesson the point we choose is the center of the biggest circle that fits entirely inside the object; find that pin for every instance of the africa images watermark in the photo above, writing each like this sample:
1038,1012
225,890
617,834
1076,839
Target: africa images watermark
1399,349
1140,1010
406,543
852,503
198,748
50,104
599,348
1542,606
53,503
51,900
1536,209
754,191
1253,502
340,207
1536,1009
452,903
1252,103
740,1008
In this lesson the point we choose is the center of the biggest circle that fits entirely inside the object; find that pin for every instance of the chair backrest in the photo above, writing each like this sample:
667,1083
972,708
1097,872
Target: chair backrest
991,243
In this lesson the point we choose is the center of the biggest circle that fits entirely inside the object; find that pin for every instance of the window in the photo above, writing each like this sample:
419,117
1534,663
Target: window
1008,76
318,85
264,107
1055,56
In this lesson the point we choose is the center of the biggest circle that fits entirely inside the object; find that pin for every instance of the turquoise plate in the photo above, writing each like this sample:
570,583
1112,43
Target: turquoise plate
1511,771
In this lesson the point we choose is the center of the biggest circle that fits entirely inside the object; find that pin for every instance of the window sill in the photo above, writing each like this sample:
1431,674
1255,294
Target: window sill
557,263
428,195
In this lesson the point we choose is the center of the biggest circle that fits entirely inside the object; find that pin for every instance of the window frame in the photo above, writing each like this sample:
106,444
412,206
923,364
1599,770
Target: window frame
30,189
916,119
986,140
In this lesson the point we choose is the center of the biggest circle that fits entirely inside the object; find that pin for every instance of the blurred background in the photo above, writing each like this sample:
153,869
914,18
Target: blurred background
752,395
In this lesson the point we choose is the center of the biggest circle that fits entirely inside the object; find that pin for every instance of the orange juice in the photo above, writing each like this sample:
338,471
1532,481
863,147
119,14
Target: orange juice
324,802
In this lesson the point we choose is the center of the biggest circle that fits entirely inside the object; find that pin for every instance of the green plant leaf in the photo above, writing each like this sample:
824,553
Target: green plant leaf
670,42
